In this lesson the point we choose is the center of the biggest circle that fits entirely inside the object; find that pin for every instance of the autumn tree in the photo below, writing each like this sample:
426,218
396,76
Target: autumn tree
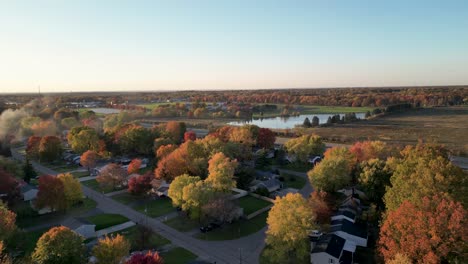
432,231
28,171
111,250
111,176
289,222
44,128
32,147
4,257
51,193
222,209
70,122
319,202
367,150
176,130
176,188
190,135
59,245
374,179
50,148
243,135
342,152
266,138
305,146
88,159
162,141
135,139
71,188
195,196
424,170
82,139
134,166
140,184
7,222
148,258
9,185
330,175
165,150
221,172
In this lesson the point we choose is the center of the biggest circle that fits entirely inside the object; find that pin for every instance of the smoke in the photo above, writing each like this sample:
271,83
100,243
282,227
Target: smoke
10,124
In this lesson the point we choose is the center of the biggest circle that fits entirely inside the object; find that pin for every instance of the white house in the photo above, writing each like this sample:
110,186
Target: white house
160,187
81,226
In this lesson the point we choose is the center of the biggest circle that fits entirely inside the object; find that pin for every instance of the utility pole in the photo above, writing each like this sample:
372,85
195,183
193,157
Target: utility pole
240,255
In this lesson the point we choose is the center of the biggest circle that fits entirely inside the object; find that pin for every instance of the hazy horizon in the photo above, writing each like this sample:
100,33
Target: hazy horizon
109,46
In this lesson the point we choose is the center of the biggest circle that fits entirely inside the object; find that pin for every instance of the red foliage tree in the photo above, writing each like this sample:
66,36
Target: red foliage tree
88,159
190,135
32,147
9,186
266,138
140,184
134,166
223,133
319,202
165,150
176,130
429,233
51,193
149,258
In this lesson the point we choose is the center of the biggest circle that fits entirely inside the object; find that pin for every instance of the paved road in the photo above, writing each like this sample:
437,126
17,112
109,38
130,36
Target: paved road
248,247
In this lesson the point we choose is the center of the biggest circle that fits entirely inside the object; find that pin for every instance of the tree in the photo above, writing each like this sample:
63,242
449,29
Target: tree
28,171
158,142
82,139
176,130
222,209
424,170
242,135
7,222
50,148
306,123
134,166
305,146
315,121
221,172
190,135
374,179
70,122
71,189
9,186
89,159
266,138
367,150
342,152
165,150
59,245
140,184
195,196
135,139
400,259
4,257
330,175
319,202
289,222
149,258
176,188
111,176
44,128
432,231
32,147
51,193
111,250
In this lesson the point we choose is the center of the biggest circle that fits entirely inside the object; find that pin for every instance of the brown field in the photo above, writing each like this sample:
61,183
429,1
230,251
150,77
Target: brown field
444,125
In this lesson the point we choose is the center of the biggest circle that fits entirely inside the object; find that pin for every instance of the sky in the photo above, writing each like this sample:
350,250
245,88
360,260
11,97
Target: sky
72,46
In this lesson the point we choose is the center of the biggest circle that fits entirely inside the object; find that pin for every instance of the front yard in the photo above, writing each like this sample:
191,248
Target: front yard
178,256
251,204
155,208
182,223
141,238
293,181
106,220
93,184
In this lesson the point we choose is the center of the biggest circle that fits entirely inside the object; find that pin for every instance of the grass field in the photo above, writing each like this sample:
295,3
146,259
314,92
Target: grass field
126,198
106,220
444,125
237,229
182,223
134,236
178,256
251,204
155,208
79,174
93,184
292,181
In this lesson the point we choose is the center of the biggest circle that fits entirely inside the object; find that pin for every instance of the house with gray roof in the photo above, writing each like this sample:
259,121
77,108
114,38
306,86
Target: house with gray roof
29,192
81,226
350,231
330,249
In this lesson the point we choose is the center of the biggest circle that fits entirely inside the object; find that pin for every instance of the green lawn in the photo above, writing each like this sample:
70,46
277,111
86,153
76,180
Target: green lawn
297,166
237,229
182,223
106,220
127,198
135,237
293,181
252,204
178,256
155,208
79,174
93,184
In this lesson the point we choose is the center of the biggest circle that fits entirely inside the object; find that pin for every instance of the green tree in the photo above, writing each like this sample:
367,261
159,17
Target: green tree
424,170
290,220
306,122
50,148
330,175
315,121
221,172
71,188
177,186
82,139
195,196
7,222
28,171
305,146
59,245
374,179
111,250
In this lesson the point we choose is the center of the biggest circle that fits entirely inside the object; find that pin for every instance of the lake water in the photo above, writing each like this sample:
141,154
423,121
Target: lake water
105,110
287,122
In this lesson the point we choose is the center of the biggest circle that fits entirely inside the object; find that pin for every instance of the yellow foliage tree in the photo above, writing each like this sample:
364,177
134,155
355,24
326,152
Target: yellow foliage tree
72,188
221,172
111,250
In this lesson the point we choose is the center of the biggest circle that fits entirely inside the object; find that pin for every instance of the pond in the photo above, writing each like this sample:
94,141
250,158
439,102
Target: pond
287,122
105,110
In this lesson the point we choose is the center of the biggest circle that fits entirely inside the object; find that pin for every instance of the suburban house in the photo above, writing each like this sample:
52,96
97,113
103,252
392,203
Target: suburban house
271,185
81,226
29,192
344,214
160,187
350,231
330,249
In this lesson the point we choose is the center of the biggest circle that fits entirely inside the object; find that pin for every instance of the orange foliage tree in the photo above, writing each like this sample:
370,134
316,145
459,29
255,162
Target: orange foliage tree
431,232
319,201
190,135
134,166
165,150
51,193
176,130
32,147
88,159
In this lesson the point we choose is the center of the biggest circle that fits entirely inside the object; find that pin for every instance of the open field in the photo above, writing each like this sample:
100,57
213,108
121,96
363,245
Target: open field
444,125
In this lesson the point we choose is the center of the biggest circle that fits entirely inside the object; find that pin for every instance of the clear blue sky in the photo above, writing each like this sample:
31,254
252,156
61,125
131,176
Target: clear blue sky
160,45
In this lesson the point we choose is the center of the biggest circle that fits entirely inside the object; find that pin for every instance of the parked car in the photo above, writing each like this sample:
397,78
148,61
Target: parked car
205,229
